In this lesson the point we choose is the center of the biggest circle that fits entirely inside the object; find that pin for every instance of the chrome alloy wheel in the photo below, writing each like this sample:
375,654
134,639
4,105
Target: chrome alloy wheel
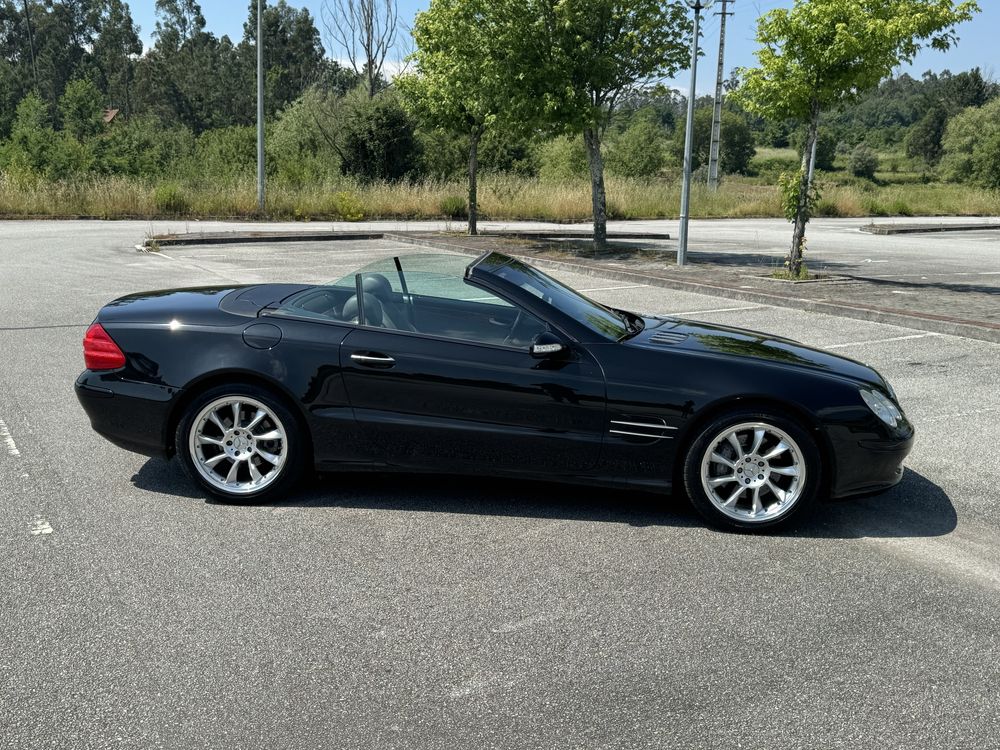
238,445
753,472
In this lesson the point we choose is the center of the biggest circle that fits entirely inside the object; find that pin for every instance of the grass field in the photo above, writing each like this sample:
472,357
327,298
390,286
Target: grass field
502,197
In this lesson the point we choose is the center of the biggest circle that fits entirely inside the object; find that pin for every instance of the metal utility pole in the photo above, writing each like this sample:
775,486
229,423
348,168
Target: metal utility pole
31,43
682,245
713,159
260,106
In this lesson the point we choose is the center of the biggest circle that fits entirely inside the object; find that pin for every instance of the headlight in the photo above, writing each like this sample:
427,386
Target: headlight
883,407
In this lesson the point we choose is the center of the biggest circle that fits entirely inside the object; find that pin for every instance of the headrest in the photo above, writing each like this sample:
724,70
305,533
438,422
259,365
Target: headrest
373,310
377,284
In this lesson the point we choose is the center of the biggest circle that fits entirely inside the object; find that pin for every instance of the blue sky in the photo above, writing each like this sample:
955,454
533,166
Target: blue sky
974,49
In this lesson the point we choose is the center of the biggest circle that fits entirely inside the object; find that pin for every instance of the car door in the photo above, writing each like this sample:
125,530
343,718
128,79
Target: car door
443,399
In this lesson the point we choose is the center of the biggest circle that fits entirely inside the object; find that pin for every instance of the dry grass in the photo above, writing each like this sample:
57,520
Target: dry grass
502,197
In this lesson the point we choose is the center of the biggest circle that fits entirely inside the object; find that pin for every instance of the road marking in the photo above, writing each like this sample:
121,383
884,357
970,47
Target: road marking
612,288
40,527
883,341
8,439
720,310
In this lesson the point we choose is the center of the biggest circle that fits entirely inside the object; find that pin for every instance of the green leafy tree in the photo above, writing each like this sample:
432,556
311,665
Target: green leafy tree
473,62
863,162
820,54
601,51
737,149
81,110
36,148
379,139
115,50
968,145
923,140
640,150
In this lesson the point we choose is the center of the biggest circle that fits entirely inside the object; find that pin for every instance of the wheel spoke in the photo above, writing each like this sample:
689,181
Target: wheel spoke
255,474
723,460
758,438
734,497
758,506
214,460
778,492
205,439
735,442
777,450
217,422
269,457
785,471
272,435
719,481
237,406
233,471
257,418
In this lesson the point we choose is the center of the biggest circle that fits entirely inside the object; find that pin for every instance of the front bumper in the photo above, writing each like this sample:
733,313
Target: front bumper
869,460
132,415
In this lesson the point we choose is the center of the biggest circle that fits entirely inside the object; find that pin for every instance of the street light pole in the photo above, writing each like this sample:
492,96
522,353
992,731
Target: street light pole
698,6
260,106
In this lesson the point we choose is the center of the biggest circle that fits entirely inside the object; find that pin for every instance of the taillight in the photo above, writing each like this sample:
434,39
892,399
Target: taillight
100,352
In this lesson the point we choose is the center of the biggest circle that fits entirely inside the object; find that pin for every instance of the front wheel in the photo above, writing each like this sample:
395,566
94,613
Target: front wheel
241,444
752,470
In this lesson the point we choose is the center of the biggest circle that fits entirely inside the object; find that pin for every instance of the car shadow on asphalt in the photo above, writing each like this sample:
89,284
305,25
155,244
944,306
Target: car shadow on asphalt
916,507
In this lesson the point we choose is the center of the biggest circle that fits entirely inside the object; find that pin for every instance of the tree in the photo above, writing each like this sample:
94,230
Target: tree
821,54
81,110
293,52
968,145
379,139
366,32
923,140
863,162
600,51
737,142
472,67
115,49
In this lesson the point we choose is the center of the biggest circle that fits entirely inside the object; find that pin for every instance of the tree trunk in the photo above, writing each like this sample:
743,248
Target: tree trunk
473,187
802,209
592,139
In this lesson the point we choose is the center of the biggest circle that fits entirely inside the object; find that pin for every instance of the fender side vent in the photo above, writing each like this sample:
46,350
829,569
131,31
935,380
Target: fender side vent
667,338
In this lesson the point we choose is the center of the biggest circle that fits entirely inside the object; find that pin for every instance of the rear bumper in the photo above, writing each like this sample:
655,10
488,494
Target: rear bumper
132,415
870,462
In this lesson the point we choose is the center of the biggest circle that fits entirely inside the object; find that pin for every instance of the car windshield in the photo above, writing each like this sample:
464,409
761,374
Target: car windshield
595,316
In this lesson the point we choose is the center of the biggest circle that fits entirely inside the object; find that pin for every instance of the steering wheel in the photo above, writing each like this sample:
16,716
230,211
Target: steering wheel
509,339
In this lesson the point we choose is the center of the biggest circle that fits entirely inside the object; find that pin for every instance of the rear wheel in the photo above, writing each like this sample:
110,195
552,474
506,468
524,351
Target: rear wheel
752,470
241,444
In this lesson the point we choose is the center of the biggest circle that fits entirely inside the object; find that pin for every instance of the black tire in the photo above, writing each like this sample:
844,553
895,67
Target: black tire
802,455
291,448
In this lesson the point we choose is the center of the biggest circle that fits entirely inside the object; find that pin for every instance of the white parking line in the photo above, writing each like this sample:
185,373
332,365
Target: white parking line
40,527
883,341
719,310
8,439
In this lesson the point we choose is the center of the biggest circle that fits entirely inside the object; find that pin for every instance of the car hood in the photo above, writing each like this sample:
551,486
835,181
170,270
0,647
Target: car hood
207,306
666,334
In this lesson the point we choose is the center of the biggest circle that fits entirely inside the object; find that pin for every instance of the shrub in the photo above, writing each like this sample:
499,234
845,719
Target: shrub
826,147
971,146
562,159
346,206
641,151
169,198
454,207
380,141
737,148
863,162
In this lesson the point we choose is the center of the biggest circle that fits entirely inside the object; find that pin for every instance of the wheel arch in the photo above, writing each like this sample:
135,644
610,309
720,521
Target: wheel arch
197,387
794,411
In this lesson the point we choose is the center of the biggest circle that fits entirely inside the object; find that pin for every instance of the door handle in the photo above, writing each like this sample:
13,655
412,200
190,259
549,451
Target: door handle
373,359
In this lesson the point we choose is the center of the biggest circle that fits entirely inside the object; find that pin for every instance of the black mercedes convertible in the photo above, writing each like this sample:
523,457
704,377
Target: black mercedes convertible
433,363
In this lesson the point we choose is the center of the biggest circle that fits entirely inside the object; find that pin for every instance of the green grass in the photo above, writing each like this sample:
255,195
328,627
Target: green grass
502,197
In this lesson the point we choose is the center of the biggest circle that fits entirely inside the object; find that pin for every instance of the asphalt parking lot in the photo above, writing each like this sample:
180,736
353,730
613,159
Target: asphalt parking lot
439,613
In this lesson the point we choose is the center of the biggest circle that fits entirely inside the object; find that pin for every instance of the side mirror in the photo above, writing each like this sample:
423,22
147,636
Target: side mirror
547,346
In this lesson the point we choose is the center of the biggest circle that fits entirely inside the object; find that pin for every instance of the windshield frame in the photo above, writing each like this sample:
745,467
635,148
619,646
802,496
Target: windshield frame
484,269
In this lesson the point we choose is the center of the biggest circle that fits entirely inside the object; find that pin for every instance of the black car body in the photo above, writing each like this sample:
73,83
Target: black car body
509,374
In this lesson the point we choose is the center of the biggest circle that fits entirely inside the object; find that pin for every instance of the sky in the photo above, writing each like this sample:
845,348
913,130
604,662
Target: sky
975,48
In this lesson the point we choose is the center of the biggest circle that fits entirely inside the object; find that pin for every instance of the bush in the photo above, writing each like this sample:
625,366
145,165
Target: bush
562,159
454,207
971,146
863,162
346,206
641,151
168,197
826,147
380,141
225,152
737,148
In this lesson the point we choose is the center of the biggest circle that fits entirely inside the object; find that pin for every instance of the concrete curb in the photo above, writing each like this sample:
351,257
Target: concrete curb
927,228
903,318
